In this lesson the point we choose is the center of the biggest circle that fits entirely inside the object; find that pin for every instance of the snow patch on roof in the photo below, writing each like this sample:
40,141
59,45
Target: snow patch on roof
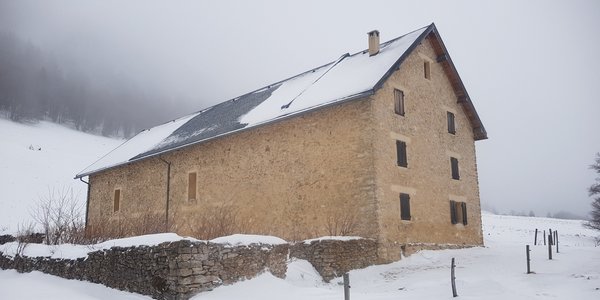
176,138
347,77
285,93
142,142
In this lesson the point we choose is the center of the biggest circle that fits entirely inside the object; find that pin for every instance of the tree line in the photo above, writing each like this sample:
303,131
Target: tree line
33,86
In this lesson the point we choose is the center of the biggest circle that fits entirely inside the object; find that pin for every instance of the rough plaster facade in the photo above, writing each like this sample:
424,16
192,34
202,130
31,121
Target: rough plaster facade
300,177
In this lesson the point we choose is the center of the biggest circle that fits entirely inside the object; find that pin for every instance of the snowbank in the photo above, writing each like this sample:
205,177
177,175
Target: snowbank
69,251
248,239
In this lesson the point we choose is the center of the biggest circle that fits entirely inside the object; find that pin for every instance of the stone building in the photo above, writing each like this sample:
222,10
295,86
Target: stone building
378,144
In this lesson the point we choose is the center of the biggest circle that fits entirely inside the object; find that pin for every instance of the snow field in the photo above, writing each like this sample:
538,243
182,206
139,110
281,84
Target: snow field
496,271
57,153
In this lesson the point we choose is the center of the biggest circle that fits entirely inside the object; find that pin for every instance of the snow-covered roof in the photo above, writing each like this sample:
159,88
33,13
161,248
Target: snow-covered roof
347,78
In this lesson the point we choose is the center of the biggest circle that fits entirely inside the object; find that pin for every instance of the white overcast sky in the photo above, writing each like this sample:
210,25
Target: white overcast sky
532,68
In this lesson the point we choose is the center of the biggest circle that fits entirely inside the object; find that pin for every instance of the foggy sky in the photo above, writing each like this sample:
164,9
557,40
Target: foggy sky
530,67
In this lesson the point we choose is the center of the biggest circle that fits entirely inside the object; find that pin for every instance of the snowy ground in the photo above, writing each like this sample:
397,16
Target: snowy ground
496,271
57,153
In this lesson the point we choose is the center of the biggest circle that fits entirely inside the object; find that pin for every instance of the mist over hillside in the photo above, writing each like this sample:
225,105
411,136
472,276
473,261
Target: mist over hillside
35,86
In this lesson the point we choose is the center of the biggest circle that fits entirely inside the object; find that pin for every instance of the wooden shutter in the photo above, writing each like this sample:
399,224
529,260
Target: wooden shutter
192,186
454,166
451,126
453,212
117,201
464,212
401,153
404,206
399,102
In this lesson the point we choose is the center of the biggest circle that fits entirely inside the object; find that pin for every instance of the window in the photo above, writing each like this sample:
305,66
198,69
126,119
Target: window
451,125
427,70
401,153
117,200
454,167
399,102
458,212
192,186
405,207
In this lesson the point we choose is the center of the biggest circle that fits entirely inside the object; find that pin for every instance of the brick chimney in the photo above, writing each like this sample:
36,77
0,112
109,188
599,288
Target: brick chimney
373,42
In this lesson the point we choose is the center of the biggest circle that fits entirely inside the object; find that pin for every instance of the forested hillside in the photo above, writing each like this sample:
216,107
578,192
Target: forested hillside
35,86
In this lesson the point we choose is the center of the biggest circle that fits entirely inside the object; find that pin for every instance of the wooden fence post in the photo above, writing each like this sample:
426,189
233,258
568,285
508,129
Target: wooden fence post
544,237
453,279
556,239
549,248
535,238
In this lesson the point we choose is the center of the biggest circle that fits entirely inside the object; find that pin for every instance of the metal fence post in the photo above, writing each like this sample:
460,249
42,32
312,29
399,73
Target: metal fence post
535,239
452,279
556,239
528,260
346,286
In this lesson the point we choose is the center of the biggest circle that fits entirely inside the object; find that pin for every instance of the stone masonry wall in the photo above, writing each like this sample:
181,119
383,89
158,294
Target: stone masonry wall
176,270
332,258
293,179
427,178
179,270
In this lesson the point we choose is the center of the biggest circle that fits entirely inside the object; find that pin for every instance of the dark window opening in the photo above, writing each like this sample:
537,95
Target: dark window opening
458,212
401,153
427,70
405,207
192,186
451,125
399,102
117,201
454,166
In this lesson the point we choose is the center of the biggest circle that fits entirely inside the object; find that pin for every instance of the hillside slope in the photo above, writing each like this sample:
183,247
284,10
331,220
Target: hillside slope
40,157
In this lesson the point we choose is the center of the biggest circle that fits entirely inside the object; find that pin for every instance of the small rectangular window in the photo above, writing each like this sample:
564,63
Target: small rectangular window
454,167
399,102
117,200
427,70
458,212
192,186
401,154
451,125
405,207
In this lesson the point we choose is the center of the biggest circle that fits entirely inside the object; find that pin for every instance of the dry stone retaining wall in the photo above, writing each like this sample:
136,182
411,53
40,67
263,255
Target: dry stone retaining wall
176,270
179,270
332,258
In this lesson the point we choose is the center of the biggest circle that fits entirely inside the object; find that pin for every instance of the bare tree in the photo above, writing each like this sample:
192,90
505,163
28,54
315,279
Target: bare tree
24,233
342,223
60,216
594,190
